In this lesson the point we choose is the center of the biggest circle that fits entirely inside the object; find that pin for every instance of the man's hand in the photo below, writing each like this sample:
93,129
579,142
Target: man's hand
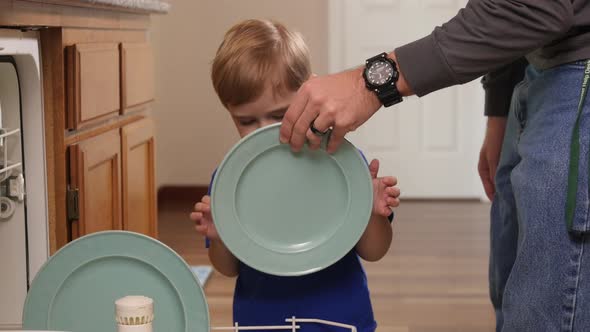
489,156
340,101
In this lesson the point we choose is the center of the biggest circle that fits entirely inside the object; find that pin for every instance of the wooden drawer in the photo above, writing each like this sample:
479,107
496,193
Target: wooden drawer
137,74
93,85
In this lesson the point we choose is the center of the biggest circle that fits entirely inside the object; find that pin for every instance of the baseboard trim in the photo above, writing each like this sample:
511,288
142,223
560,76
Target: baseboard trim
180,194
10,327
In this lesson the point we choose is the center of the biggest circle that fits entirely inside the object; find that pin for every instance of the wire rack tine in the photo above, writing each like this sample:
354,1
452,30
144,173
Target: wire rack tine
4,140
321,321
293,327
250,328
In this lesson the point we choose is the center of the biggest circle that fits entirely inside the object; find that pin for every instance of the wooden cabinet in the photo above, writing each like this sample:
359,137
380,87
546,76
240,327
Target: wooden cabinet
112,177
110,136
98,87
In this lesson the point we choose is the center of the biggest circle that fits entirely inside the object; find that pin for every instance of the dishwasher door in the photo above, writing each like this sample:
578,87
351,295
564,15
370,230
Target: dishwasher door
13,231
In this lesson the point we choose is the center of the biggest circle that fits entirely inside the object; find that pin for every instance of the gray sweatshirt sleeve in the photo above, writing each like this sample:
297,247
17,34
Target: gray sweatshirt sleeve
483,36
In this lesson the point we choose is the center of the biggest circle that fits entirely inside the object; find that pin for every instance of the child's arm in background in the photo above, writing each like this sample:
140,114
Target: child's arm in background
376,239
221,258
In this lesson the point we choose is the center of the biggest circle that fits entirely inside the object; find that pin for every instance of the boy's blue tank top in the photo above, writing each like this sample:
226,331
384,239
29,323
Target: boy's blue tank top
338,293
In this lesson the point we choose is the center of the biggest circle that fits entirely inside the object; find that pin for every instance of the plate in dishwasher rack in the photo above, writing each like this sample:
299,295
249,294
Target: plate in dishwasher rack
77,287
287,213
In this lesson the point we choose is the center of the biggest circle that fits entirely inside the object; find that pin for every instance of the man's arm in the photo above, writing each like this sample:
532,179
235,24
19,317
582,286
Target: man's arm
499,86
482,37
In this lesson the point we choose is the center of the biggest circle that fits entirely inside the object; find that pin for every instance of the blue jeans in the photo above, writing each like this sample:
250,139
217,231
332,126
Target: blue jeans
539,273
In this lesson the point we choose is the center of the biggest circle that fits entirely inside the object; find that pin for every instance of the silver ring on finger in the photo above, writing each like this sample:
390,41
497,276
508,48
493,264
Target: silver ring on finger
317,132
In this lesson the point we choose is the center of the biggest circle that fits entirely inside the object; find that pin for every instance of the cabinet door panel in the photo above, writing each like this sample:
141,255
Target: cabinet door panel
137,74
139,189
95,166
93,83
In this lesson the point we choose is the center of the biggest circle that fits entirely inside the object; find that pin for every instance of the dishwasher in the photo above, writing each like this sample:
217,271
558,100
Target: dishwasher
23,209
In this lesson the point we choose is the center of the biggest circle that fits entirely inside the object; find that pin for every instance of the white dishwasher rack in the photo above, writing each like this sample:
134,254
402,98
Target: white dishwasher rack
5,164
292,327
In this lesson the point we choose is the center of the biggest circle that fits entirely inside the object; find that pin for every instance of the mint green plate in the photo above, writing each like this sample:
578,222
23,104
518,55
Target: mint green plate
77,287
286,213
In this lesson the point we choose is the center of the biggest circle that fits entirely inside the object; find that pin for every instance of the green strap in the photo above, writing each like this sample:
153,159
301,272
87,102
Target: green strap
572,180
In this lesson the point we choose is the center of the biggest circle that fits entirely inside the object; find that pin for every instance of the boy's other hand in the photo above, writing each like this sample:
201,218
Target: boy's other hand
385,193
203,219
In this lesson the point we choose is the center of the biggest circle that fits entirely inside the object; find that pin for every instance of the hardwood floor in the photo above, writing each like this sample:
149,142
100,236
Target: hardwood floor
434,278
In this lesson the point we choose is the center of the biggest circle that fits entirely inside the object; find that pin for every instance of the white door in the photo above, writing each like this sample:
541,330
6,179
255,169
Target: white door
13,244
431,144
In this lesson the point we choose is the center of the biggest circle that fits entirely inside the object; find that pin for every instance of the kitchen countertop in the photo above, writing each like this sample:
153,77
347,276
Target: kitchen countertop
148,5
81,14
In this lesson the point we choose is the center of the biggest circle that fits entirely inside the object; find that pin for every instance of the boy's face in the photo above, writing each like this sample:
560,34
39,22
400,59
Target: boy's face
264,111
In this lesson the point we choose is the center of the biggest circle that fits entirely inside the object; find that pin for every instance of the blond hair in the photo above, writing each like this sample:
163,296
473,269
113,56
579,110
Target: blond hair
255,53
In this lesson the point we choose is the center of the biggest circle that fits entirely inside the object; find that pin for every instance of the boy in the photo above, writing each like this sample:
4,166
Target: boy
256,72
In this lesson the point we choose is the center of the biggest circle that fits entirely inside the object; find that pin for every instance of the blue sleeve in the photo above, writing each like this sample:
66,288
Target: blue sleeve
207,242
390,217
363,155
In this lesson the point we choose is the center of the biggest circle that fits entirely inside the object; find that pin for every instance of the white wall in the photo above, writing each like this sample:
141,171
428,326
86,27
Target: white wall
194,131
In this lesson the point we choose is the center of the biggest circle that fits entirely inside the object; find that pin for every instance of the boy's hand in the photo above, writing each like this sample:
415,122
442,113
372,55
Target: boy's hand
385,193
203,219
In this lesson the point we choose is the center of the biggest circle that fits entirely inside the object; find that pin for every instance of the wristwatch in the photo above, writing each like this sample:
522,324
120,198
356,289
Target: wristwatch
380,76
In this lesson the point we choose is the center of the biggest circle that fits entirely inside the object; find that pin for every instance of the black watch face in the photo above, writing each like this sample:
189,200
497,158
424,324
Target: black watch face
379,73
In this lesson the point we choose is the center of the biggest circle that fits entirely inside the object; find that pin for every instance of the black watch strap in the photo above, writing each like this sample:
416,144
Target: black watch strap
389,96
379,56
